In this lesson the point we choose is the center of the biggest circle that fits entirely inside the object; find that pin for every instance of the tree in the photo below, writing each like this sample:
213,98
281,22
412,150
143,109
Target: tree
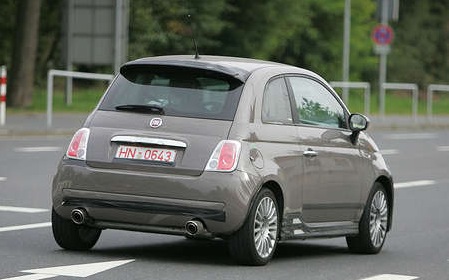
317,42
7,12
21,80
161,27
49,46
420,51
259,29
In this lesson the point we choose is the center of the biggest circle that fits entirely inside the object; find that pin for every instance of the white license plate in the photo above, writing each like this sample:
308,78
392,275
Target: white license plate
145,153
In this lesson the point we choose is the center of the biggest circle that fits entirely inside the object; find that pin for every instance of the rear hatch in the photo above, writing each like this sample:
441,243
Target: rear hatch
162,119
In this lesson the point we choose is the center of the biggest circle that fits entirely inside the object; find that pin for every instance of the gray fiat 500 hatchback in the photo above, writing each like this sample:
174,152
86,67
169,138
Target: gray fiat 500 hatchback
250,151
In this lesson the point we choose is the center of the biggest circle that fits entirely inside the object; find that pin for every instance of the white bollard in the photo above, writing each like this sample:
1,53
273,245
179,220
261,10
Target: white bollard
2,95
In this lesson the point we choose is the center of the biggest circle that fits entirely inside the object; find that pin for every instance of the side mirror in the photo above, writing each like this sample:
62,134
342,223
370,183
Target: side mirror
357,123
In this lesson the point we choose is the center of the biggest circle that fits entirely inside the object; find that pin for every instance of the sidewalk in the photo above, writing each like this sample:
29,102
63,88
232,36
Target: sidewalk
18,124
392,122
36,124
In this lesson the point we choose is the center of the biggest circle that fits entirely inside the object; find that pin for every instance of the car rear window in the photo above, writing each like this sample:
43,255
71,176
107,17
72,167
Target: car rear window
175,91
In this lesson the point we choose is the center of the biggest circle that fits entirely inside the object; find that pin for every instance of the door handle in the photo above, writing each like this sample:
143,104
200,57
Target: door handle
310,153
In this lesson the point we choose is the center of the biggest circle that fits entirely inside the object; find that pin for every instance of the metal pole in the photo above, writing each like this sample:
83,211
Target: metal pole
346,47
415,103
118,35
429,102
49,98
69,66
383,63
382,79
2,95
367,99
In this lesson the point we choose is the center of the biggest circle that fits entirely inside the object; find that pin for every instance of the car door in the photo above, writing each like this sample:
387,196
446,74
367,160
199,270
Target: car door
278,142
331,186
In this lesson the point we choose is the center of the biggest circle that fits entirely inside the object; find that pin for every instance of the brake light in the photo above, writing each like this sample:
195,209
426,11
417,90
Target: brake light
78,146
225,156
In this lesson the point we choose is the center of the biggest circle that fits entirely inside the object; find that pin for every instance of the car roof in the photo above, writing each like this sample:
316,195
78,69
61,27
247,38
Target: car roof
240,68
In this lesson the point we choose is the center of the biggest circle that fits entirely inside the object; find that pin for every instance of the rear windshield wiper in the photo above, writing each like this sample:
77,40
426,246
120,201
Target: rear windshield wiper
152,109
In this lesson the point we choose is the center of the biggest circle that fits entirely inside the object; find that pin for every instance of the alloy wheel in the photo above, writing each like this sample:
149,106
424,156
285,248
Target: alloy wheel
378,219
265,227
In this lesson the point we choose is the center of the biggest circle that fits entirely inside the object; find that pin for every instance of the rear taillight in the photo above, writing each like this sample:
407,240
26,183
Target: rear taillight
78,146
225,156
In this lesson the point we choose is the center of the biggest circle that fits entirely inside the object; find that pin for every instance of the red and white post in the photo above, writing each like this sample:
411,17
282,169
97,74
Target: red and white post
2,95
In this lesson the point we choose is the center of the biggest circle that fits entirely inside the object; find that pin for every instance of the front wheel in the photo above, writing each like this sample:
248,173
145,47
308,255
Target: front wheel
255,242
373,226
71,236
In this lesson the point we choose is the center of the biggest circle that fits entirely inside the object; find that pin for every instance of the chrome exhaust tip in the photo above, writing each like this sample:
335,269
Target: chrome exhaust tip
194,228
79,216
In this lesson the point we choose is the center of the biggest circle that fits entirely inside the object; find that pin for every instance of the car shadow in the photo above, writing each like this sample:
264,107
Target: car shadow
304,250
209,252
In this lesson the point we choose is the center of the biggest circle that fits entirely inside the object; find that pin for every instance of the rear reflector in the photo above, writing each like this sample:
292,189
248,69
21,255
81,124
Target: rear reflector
225,156
78,146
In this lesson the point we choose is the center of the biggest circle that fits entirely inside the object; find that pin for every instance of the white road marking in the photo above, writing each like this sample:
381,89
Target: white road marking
443,148
80,270
411,136
411,184
22,227
22,209
391,277
31,277
389,152
3,179
37,149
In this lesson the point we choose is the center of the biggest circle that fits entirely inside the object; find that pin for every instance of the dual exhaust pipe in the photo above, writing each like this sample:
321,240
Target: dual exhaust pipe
194,228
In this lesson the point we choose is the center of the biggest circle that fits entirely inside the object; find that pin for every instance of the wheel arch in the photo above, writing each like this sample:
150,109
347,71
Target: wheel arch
387,183
278,194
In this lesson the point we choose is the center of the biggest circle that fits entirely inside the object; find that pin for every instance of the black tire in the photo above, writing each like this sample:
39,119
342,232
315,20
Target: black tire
373,225
242,244
70,236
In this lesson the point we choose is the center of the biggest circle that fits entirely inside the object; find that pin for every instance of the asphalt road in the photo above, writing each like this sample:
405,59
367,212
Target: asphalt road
417,248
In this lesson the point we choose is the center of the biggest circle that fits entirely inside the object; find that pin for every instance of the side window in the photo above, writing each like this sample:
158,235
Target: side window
315,104
276,103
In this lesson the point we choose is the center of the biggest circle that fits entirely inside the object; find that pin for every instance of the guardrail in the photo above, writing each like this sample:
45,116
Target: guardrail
430,89
355,85
80,75
400,86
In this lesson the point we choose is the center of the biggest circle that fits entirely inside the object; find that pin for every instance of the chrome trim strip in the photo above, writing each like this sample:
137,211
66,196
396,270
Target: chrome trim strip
146,140
331,224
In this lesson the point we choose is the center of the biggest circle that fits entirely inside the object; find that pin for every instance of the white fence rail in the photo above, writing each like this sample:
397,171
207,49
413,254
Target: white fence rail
336,84
80,75
355,85
430,89
401,86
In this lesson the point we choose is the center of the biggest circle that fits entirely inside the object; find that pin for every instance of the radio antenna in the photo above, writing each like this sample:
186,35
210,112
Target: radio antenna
197,55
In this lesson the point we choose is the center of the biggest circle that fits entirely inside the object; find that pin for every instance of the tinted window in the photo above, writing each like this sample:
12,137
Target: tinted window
315,104
276,104
179,91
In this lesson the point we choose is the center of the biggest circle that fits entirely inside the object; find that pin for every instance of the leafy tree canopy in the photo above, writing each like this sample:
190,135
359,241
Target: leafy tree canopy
305,33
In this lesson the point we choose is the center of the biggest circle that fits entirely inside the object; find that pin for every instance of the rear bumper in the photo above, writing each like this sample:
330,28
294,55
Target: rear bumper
153,202
155,205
